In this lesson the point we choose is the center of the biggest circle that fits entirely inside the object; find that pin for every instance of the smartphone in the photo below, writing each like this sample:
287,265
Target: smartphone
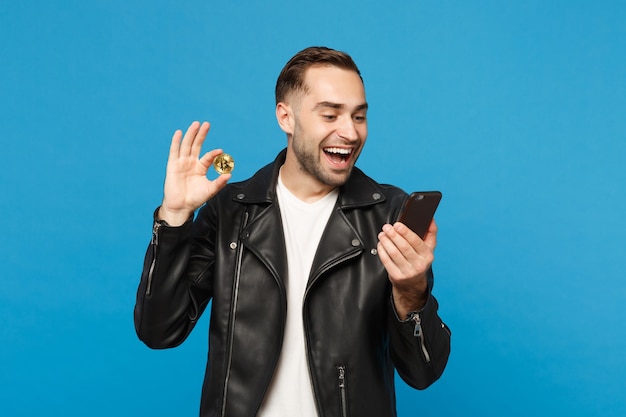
419,210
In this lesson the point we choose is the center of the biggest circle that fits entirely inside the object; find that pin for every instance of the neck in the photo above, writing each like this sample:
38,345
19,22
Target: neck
302,186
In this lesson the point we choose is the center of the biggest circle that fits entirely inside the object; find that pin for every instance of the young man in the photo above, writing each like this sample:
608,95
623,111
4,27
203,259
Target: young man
317,294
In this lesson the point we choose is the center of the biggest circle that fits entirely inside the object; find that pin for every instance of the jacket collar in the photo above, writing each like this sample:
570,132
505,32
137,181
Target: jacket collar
360,190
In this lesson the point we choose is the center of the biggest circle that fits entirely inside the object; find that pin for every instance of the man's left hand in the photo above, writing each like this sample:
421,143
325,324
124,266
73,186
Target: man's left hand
407,259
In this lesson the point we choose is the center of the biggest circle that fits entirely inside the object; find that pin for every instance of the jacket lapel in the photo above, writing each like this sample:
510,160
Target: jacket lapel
264,237
339,243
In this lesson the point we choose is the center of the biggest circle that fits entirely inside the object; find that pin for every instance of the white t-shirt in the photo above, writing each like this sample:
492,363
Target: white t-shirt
290,393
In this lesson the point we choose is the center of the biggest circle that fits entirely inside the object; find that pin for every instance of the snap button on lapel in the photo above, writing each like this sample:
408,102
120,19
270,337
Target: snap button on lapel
376,196
355,242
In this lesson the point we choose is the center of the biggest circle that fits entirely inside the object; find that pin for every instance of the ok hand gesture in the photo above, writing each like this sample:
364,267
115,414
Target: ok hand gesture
186,185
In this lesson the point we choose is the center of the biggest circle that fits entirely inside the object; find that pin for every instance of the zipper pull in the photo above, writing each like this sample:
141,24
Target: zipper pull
417,332
343,395
155,233
342,376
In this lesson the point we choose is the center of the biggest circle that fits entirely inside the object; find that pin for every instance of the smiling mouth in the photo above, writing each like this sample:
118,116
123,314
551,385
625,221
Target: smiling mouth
338,155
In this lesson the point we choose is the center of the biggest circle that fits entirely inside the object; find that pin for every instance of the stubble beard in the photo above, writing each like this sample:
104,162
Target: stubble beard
309,159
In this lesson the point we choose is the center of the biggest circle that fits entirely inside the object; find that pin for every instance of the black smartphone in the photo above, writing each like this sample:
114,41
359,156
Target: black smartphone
419,210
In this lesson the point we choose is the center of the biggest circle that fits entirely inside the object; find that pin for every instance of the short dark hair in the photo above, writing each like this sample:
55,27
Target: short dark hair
291,78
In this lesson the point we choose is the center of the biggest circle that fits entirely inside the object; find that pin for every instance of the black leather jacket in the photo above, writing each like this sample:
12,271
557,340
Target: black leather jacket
234,254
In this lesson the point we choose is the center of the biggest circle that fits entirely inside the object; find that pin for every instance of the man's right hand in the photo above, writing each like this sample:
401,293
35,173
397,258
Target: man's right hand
186,185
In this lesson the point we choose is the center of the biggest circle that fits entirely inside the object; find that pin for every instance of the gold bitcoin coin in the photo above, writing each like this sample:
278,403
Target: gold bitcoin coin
223,163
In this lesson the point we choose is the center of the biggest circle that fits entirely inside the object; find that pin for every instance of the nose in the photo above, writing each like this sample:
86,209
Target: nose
347,130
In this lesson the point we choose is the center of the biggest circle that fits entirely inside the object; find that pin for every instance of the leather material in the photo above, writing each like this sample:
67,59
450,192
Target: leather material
234,254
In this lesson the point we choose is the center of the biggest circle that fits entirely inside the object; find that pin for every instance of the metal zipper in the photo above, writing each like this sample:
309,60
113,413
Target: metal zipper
155,243
340,369
231,329
417,332
342,390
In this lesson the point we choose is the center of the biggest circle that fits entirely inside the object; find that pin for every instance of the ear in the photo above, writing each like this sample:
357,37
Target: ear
285,118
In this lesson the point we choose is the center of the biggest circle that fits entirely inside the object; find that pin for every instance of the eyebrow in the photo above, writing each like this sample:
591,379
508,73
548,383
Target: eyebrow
338,106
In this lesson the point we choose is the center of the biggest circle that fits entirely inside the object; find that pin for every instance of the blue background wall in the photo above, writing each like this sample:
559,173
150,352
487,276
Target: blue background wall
515,110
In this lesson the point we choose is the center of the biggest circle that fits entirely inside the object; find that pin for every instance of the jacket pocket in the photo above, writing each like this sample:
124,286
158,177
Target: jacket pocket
342,377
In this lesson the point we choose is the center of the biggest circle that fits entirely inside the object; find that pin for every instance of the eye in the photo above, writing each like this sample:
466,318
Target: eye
359,118
329,117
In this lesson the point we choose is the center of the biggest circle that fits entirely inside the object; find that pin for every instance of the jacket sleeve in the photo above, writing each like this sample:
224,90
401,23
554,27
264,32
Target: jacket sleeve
176,282
420,345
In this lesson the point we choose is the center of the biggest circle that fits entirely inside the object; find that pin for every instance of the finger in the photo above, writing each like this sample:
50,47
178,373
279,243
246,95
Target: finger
397,266
216,185
405,248
190,135
390,266
221,181
394,247
420,245
207,158
196,146
403,238
175,145
431,235
400,229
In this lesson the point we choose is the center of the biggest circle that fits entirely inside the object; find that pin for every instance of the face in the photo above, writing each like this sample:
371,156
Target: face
327,128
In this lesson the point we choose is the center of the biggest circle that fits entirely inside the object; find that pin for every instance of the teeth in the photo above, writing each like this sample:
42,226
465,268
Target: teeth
340,151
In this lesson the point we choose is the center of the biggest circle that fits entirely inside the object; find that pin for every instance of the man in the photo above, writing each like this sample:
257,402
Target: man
317,294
